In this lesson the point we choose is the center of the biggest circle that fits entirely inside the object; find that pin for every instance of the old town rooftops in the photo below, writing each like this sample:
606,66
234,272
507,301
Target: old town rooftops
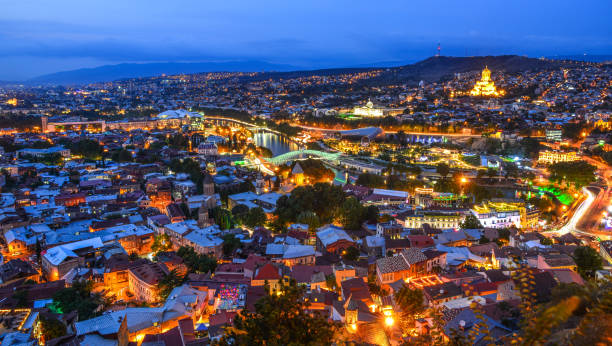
58,254
330,234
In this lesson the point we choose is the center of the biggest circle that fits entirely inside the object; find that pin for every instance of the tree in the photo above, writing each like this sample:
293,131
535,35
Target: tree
50,328
410,302
470,222
587,260
190,167
351,254
443,169
79,298
38,250
88,148
375,288
371,214
223,218
323,199
230,243
352,213
572,130
385,156
503,233
315,170
371,180
197,263
281,319
510,169
256,217
161,243
21,298
309,218
579,173
168,283
331,282
122,155
546,241
240,212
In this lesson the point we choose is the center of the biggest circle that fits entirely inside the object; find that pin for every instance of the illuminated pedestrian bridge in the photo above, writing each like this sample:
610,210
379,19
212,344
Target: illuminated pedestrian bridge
304,154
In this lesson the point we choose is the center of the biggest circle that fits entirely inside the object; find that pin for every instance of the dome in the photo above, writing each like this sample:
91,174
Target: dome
370,104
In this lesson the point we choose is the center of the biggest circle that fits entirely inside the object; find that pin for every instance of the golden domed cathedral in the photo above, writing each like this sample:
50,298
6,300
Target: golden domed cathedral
485,86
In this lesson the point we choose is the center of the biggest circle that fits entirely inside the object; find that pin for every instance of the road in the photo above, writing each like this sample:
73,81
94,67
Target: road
321,129
586,219
583,208
590,224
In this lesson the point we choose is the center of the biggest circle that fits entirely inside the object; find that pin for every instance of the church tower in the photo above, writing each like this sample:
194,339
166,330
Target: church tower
208,185
486,74
351,312
297,174
259,184
203,220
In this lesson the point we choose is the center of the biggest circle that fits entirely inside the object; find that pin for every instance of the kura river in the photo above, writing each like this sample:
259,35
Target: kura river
277,144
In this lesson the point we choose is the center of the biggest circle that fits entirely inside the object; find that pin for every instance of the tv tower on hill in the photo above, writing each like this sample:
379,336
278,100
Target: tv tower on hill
438,53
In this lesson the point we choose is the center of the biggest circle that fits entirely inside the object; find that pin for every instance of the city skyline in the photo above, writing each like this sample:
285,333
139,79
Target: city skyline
40,39
305,173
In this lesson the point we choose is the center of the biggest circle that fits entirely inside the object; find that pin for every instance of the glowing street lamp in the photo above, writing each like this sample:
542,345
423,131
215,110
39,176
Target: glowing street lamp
389,321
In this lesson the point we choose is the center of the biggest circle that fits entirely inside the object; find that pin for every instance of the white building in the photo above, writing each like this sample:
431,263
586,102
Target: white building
207,149
43,152
497,215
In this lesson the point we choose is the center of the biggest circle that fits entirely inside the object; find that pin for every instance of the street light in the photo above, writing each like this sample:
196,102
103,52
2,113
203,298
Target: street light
389,321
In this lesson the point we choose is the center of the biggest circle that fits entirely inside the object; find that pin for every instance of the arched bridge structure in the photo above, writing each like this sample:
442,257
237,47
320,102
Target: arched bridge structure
304,154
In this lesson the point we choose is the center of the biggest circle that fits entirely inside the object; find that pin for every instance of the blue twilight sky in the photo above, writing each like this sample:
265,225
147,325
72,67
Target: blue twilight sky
38,37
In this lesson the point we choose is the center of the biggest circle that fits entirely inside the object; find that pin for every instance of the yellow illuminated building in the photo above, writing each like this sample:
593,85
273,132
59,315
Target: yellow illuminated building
485,86
12,102
549,157
497,214
500,212
368,111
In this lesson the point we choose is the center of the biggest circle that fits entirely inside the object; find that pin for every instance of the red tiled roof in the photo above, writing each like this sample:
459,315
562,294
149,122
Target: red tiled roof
303,273
150,273
253,260
267,272
222,318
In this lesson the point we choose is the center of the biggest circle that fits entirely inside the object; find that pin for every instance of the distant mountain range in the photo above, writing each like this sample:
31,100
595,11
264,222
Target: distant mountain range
443,67
429,70
108,73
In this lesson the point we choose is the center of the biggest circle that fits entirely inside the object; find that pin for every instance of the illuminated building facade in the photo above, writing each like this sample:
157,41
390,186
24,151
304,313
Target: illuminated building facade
372,111
368,110
440,220
143,281
497,215
549,157
163,120
554,135
485,86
